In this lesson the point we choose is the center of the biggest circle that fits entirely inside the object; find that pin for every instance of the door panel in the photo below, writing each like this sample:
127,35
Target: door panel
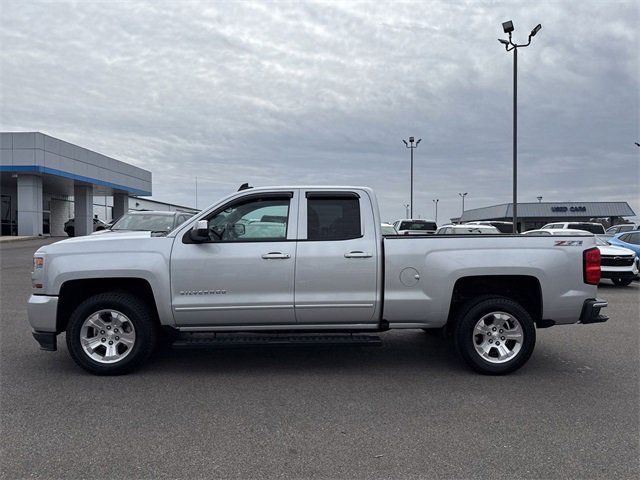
336,278
245,274
231,284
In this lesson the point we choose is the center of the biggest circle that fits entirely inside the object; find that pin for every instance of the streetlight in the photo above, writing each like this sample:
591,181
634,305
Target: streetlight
509,45
539,198
412,147
436,200
462,195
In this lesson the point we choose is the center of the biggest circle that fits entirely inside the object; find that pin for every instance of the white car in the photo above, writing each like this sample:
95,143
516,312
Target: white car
466,229
388,229
504,227
593,227
412,226
618,264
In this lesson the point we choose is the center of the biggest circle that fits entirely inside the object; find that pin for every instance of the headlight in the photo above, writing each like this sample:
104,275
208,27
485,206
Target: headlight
38,262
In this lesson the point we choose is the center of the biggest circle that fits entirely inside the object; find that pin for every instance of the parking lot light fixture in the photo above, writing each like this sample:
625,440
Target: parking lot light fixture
539,198
411,147
462,195
510,45
436,200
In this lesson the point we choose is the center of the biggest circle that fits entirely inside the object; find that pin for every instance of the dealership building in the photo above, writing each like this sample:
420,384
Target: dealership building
45,181
534,215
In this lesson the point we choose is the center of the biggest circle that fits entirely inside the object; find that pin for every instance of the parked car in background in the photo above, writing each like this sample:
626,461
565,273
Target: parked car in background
70,229
593,227
409,226
620,265
466,229
149,221
625,227
388,229
503,227
630,240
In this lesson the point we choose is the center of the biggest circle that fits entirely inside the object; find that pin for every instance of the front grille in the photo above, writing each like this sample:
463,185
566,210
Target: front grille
616,260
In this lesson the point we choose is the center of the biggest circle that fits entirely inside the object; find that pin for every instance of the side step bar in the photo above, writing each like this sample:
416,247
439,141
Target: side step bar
239,341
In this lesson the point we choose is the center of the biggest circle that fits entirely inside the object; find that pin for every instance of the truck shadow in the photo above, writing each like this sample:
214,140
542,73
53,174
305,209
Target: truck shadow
400,351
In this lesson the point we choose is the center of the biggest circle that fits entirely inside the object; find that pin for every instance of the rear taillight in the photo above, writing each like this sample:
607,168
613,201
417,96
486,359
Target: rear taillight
591,265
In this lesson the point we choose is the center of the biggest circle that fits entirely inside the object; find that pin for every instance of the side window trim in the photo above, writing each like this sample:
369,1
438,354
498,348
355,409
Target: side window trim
304,207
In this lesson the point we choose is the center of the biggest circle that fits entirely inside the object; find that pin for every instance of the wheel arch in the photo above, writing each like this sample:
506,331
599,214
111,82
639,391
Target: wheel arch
74,292
524,289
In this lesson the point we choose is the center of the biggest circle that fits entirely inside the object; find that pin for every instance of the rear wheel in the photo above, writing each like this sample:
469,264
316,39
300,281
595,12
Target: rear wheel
111,333
495,335
622,282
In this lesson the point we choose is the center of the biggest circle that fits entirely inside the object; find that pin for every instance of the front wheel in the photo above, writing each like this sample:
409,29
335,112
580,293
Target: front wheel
622,282
495,335
111,333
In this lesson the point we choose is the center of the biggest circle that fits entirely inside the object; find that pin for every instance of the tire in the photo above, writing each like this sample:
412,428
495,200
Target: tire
127,322
622,282
478,323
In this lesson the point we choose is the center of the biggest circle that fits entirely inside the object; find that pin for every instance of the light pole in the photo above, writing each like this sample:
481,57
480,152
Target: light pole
411,147
406,210
436,200
539,198
462,195
509,45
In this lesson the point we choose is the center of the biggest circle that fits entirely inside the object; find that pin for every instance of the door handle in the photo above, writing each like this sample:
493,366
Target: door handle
275,256
358,254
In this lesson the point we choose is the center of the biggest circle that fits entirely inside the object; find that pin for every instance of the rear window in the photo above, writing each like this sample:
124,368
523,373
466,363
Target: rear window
333,218
589,227
418,226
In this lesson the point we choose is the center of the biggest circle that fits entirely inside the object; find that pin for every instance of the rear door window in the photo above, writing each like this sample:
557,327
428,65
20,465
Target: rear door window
333,217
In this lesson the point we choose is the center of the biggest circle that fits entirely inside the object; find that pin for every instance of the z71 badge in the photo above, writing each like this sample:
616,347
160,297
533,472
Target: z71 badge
568,243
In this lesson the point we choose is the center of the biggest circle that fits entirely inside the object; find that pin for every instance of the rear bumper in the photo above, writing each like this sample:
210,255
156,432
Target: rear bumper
591,311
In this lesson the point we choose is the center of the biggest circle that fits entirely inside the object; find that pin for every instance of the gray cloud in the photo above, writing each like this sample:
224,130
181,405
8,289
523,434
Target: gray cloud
323,93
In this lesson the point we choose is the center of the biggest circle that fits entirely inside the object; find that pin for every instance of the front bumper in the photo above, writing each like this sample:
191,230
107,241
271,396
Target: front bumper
591,311
42,311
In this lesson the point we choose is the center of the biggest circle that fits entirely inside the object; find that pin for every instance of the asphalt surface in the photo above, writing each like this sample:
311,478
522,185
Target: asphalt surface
409,409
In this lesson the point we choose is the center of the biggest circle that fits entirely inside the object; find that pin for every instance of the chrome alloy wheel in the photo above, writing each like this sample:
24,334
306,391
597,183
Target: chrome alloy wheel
498,337
107,336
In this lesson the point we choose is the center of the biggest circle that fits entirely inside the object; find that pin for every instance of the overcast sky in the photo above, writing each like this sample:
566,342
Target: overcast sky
324,93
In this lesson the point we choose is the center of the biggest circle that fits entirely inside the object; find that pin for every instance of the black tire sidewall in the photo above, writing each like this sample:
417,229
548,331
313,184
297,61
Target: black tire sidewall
138,313
466,324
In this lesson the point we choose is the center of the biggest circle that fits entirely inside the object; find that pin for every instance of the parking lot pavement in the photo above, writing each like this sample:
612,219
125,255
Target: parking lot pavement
409,409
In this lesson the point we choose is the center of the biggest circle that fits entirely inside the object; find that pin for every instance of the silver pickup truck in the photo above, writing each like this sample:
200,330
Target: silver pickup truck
306,265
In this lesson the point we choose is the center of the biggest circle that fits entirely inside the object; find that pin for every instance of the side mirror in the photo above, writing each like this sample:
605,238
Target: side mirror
200,232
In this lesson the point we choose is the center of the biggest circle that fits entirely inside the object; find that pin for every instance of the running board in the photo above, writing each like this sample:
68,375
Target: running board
239,341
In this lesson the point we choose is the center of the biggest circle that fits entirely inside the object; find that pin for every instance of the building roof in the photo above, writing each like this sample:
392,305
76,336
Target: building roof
65,163
550,210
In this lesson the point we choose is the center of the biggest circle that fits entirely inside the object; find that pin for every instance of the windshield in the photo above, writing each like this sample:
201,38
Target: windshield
475,230
418,225
153,222
388,230
601,241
